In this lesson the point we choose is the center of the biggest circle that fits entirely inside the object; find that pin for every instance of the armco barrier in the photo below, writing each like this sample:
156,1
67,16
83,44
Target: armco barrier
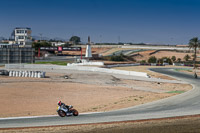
80,68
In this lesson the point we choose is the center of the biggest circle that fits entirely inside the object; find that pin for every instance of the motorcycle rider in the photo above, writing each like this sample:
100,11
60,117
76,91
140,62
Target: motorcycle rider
62,105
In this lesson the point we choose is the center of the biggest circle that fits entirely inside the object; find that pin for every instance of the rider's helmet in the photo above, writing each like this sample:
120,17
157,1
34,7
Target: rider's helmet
59,103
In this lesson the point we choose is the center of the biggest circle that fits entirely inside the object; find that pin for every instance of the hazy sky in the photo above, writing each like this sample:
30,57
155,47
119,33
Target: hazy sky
148,21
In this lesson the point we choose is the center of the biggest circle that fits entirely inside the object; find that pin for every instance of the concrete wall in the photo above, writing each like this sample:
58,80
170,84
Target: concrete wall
80,68
122,65
178,64
87,64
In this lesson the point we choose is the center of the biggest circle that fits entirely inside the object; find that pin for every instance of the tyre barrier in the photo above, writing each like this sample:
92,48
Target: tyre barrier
4,72
32,74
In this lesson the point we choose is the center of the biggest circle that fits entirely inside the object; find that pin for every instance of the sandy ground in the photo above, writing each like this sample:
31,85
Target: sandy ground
31,96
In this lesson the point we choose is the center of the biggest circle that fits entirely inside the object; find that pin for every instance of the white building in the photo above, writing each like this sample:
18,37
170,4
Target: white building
57,43
21,36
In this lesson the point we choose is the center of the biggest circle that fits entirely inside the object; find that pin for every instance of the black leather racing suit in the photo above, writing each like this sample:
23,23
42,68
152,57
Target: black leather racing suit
64,106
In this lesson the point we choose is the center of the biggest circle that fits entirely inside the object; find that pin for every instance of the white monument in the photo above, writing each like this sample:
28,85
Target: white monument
88,53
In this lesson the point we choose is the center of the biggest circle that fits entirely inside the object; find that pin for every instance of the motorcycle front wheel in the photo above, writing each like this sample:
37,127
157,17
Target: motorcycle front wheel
75,112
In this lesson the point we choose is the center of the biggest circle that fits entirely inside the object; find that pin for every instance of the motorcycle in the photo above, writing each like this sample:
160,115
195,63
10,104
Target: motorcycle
62,112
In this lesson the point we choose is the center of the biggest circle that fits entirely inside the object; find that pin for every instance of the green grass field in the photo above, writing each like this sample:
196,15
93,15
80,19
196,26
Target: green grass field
179,70
179,92
64,63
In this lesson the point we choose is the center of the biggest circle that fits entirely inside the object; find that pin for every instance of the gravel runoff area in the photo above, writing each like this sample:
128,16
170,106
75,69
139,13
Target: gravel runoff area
107,92
86,91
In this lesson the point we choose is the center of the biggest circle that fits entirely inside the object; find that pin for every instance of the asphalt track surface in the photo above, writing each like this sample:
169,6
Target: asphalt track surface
187,103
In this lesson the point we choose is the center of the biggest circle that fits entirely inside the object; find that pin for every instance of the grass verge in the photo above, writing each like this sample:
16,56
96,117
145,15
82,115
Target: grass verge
64,63
180,70
179,92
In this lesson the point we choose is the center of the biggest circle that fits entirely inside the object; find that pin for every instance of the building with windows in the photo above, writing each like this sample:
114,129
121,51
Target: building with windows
21,36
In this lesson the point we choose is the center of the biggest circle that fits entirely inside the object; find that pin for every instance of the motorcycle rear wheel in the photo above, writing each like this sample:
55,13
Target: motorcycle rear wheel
61,113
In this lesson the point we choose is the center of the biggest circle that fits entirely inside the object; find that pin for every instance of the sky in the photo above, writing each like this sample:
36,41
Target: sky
135,21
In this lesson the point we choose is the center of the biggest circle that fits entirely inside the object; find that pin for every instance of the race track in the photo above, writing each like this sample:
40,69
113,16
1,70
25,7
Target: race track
184,104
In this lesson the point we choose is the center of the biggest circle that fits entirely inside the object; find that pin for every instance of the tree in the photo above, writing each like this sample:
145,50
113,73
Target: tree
173,58
186,57
143,61
37,45
160,61
75,39
179,60
152,59
194,44
117,57
167,60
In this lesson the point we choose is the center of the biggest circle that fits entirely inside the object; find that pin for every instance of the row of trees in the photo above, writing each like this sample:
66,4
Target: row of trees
169,60
36,45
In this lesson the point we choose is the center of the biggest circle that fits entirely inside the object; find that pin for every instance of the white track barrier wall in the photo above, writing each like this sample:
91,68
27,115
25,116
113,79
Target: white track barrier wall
86,64
80,68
